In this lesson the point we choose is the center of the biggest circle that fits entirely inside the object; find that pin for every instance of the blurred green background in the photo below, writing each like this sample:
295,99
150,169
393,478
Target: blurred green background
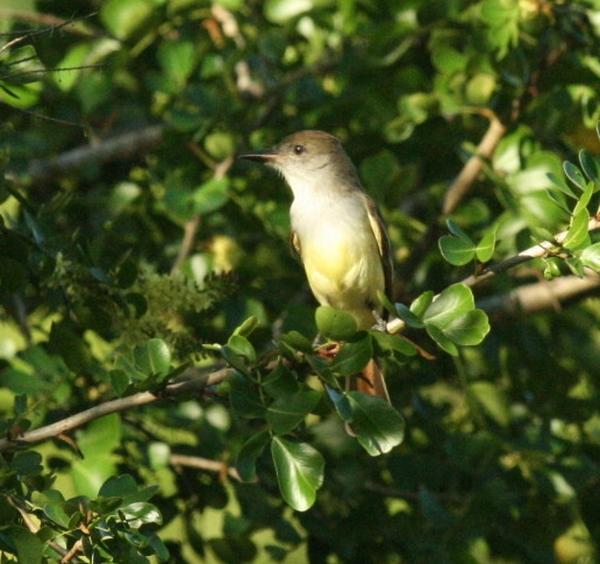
125,217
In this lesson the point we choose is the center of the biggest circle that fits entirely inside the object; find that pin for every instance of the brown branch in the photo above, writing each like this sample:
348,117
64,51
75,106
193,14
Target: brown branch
119,147
75,550
52,22
204,464
177,387
542,295
470,171
191,227
543,249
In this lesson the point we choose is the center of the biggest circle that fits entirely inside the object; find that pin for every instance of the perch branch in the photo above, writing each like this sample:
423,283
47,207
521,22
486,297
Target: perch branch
540,250
75,421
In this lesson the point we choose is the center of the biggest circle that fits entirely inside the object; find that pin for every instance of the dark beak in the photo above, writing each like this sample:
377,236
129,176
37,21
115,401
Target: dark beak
262,156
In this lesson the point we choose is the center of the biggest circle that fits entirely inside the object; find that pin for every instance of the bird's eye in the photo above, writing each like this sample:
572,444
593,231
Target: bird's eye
298,149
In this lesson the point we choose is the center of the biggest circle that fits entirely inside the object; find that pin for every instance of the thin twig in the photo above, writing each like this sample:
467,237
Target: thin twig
191,227
52,22
540,250
73,552
470,171
204,464
77,420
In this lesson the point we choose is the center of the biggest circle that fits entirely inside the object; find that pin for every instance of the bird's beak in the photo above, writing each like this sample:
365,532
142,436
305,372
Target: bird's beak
265,157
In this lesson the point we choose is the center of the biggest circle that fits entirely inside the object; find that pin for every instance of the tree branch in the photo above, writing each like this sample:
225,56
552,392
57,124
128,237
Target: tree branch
543,249
114,148
204,464
177,387
470,171
191,227
542,295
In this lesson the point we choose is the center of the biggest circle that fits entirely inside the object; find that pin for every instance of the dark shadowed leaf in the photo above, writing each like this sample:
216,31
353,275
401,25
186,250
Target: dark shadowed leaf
248,455
287,412
379,427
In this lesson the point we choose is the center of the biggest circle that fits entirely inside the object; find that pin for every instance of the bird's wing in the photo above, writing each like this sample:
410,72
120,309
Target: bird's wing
295,243
383,242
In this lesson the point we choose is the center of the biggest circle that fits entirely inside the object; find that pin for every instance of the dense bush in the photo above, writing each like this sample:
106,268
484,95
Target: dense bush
160,394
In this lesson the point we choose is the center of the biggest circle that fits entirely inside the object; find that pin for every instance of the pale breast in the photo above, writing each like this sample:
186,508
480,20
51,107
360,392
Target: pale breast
340,253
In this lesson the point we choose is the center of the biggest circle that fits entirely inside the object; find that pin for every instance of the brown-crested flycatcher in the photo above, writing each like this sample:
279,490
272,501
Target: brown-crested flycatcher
336,230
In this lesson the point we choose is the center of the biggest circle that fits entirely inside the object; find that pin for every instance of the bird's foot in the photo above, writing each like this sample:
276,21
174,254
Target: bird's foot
380,323
329,350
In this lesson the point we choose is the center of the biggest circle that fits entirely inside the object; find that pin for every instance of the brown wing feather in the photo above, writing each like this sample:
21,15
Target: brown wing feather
383,243
295,243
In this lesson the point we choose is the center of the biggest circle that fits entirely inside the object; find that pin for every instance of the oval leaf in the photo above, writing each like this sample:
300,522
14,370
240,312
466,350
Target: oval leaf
378,426
335,324
299,468
287,412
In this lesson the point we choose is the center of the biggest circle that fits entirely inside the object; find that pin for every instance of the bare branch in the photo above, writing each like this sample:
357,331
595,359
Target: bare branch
191,227
543,249
542,295
72,422
204,464
119,147
53,22
470,171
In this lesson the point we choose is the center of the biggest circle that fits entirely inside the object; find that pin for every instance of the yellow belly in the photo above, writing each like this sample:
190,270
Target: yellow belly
344,271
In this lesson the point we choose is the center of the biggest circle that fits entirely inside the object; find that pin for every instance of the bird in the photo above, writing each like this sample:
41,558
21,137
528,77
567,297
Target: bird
338,233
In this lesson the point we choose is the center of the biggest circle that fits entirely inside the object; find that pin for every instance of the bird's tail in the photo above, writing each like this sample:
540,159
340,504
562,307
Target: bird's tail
371,382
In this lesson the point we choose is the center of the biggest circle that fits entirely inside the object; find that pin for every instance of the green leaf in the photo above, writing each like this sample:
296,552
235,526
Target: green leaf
379,427
120,381
287,412
26,463
242,347
353,356
280,11
210,196
468,329
297,341
123,18
177,60
585,198
153,358
244,397
335,324
577,235
299,468
29,546
408,316
443,342
590,257
340,402
141,513
456,250
454,301
591,166
492,400
561,184
280,382
485,248
452,319
421,303
246,328
574,175
393,343
249,454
